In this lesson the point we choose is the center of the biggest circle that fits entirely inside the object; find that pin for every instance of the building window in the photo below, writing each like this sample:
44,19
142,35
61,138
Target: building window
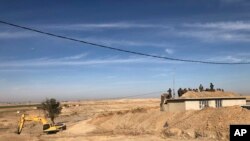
203,104
218,103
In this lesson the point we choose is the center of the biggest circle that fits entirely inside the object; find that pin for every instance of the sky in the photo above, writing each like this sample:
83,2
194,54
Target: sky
34,66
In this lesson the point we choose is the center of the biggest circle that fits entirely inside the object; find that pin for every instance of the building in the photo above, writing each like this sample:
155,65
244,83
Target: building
198,103
173,105
248,100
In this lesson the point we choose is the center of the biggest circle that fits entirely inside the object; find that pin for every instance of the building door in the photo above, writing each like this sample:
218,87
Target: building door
203,104
218,103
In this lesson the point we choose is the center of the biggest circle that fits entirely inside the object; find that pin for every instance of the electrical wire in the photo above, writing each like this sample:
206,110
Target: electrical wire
121,50
144,94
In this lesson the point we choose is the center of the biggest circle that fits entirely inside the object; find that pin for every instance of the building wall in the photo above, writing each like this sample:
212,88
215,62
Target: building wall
248,102
233,102
178,106
174,107
195,105
211,103
192,105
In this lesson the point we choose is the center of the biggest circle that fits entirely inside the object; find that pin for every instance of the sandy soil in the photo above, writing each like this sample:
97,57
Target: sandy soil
128,120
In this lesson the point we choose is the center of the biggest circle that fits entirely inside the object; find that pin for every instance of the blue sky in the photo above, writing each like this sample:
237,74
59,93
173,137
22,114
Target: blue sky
34,66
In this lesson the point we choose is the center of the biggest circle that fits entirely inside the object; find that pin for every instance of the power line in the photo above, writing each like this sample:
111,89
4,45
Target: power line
121,50
144,94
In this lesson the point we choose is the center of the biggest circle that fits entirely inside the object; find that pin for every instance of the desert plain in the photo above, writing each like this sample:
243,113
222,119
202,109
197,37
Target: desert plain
125,120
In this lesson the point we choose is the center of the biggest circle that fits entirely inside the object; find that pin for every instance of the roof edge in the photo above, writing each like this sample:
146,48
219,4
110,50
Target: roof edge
205,98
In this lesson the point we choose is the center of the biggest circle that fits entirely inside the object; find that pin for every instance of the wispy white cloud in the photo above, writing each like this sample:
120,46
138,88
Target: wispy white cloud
238,31
211,31
214,35
119,42
236,25
169,51
75,57
83,26
61,62
14,35
116,25
229,58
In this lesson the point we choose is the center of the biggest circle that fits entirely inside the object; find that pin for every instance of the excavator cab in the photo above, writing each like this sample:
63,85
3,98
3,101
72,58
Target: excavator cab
46,126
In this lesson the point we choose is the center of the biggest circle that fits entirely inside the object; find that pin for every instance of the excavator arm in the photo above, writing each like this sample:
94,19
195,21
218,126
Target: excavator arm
20,124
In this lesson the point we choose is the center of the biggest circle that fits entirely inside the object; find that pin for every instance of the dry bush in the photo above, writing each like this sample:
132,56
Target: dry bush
101,132
108,114
139,110
127,130
105,114
66,105
74,113
122,112
119,113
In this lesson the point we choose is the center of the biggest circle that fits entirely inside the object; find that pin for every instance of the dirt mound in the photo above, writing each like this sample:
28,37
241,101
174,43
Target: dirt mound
212,122
192,94
134,122
209,123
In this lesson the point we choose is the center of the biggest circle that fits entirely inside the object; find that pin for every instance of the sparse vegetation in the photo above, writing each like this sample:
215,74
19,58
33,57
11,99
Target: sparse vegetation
138,110
119,113
66,105
51,108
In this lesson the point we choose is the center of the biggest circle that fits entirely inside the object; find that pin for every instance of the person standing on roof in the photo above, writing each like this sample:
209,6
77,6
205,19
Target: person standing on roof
170,93
201,88
211,87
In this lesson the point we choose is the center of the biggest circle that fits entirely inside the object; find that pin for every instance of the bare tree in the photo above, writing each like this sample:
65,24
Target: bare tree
52,108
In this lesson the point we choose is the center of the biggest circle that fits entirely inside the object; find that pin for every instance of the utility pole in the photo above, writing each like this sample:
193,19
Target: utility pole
174,83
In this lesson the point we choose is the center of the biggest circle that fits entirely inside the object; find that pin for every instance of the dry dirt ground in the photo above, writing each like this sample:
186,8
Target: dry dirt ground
126,119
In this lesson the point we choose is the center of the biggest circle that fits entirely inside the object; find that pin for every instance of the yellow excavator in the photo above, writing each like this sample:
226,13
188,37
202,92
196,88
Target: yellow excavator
47,127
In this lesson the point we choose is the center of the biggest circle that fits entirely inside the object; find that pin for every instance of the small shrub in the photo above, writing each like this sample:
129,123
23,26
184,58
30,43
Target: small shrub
139,110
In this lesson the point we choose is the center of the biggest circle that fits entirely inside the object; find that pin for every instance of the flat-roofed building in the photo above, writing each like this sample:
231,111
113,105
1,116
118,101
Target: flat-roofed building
173,105
200,100
248,100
